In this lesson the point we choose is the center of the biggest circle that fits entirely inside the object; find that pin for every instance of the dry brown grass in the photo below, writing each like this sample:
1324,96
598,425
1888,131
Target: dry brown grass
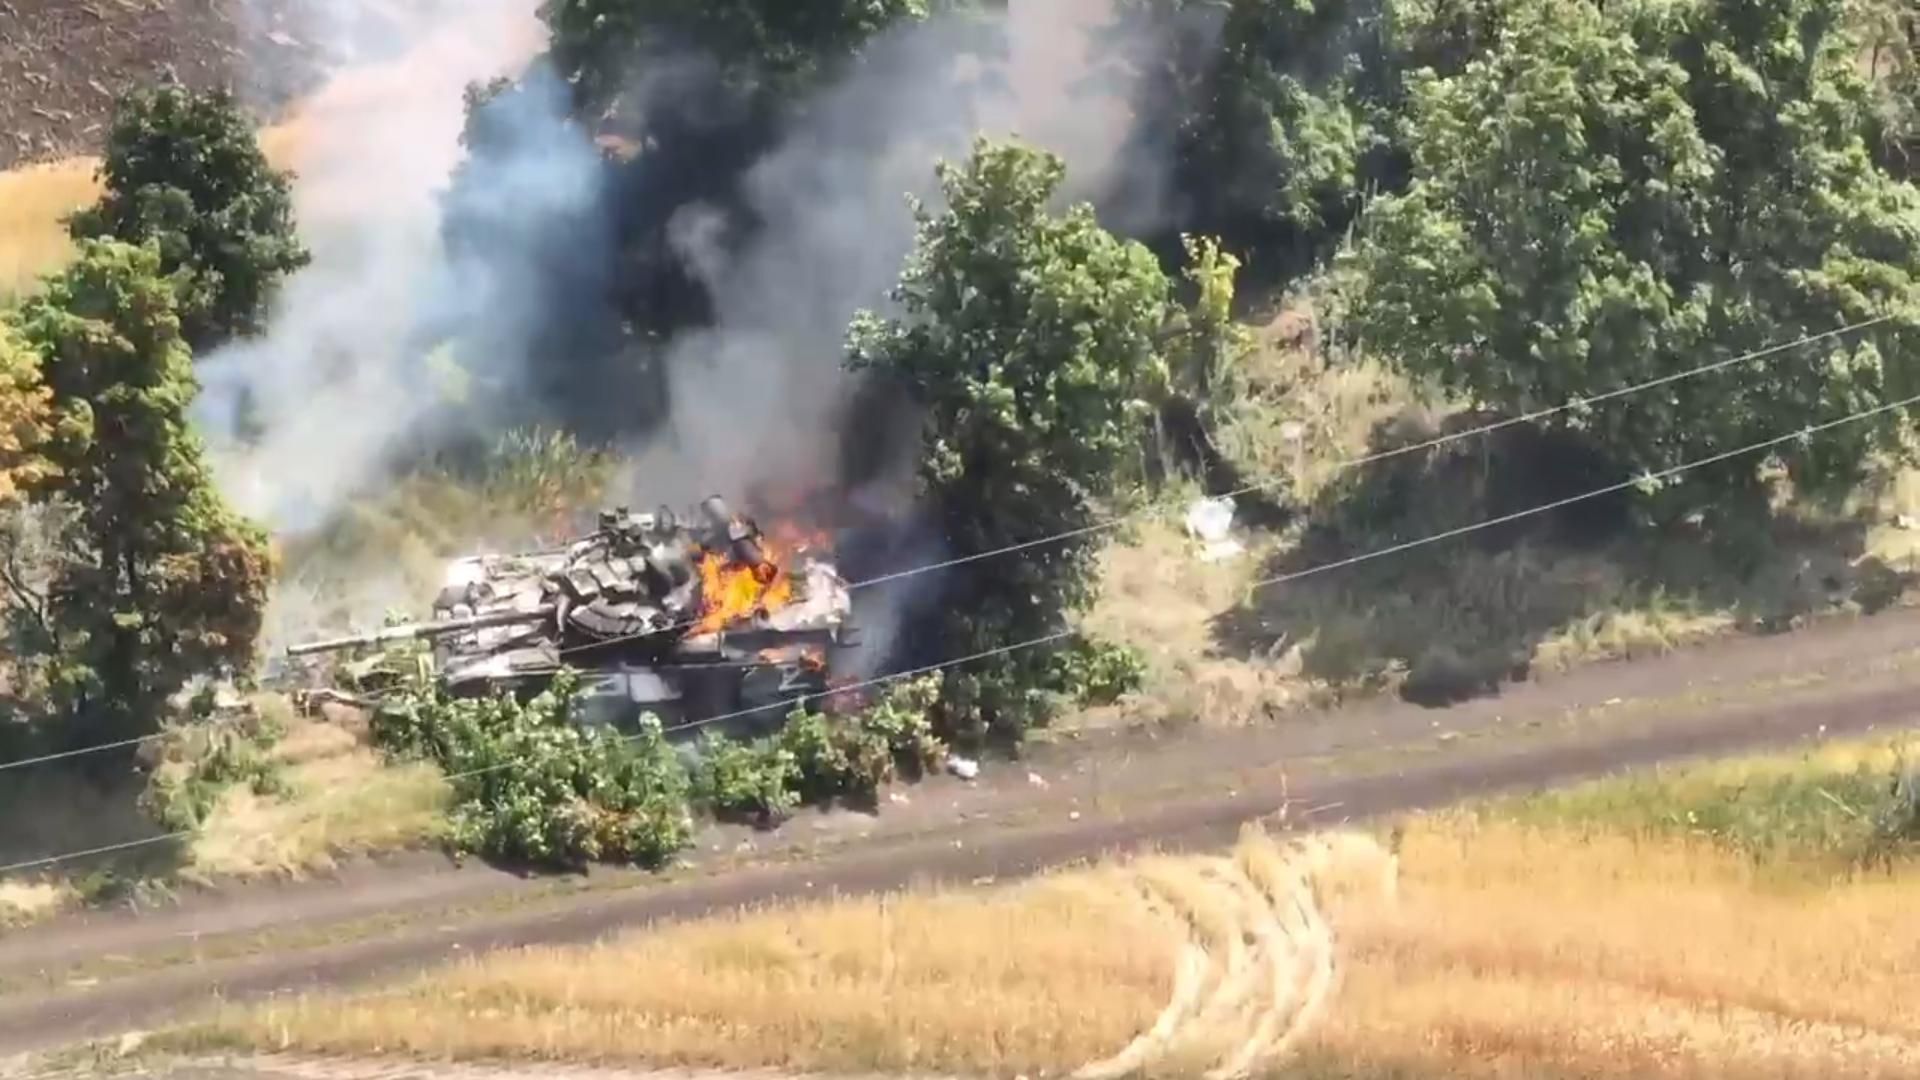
340,799
23,902
999,981
33,202
1578,942
1523,952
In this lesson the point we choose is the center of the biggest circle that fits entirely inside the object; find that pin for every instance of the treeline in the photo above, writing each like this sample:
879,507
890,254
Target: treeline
127,576
1522,201
1518,201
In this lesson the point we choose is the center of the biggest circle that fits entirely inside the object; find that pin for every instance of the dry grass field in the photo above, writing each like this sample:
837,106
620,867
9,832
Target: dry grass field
33,202
998,981
1618,929
339,798
36,199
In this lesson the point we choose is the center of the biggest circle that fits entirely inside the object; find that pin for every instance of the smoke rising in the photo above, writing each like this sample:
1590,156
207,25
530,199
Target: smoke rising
755,404
758,399
304,416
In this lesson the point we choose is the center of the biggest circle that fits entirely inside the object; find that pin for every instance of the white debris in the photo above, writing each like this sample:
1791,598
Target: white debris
964,768
1210,521
1036,780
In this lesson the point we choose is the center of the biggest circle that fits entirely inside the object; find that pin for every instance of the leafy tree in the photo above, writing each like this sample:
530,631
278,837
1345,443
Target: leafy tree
775,46
1266,111
23,417
184,170
156,580
1611,195
1891,31
1281,119
1031,341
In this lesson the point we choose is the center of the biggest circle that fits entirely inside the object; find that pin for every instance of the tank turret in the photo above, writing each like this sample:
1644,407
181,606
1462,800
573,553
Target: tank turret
682,618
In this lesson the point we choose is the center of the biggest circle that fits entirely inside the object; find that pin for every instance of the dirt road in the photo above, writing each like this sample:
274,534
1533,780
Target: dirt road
1078,799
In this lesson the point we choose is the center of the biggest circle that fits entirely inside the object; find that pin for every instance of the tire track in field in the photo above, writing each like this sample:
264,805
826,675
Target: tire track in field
1258,956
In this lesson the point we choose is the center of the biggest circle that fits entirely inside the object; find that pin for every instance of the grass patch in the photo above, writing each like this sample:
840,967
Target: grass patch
1000,981
1573,951
342,800
33,236
1834,802
1577,933
23,902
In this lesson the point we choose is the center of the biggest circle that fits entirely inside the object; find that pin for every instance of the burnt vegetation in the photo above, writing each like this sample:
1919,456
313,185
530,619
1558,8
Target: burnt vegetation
1514,202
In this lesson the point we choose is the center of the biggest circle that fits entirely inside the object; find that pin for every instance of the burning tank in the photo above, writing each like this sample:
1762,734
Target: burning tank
686,620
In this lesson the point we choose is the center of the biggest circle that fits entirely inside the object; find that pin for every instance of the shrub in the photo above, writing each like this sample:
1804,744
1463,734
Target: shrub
215,746
755,781
850,757
529,785
1096,672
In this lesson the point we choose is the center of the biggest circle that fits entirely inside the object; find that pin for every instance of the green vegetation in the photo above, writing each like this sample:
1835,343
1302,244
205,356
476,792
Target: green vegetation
150,581
1031,341
1463,210
184,171
760,45
1673,186
213,747
1855,802
817,759
530,784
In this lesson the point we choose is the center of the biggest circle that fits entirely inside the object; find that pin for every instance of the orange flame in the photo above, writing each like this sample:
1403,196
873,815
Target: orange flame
732,592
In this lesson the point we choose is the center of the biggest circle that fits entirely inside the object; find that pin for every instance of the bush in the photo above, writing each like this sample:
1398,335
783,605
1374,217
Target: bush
214,747
850,757
755,782
1095,672
531,786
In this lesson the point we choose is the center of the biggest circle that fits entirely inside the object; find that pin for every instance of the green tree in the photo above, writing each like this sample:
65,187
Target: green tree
1891,31
23,417
773,46
184,170
1281,119
1266,110
1031,341
1608,196
156,580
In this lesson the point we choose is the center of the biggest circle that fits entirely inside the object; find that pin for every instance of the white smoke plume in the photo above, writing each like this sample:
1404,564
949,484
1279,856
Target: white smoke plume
757,398
344,376
338,377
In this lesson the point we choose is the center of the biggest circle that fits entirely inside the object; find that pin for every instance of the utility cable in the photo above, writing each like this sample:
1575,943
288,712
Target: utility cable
1394,549
1120,520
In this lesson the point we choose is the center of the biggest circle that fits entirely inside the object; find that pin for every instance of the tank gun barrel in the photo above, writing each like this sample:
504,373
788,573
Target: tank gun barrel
433,629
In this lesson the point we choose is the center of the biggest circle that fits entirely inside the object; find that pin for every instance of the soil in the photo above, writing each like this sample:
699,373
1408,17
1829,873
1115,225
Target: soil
63,62
107,973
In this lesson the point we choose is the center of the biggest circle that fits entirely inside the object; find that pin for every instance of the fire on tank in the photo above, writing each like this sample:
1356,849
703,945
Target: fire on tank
688,620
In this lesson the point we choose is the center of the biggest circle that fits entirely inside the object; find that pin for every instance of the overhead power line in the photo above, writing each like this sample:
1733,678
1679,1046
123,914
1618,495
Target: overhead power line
1544,508
1120,520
